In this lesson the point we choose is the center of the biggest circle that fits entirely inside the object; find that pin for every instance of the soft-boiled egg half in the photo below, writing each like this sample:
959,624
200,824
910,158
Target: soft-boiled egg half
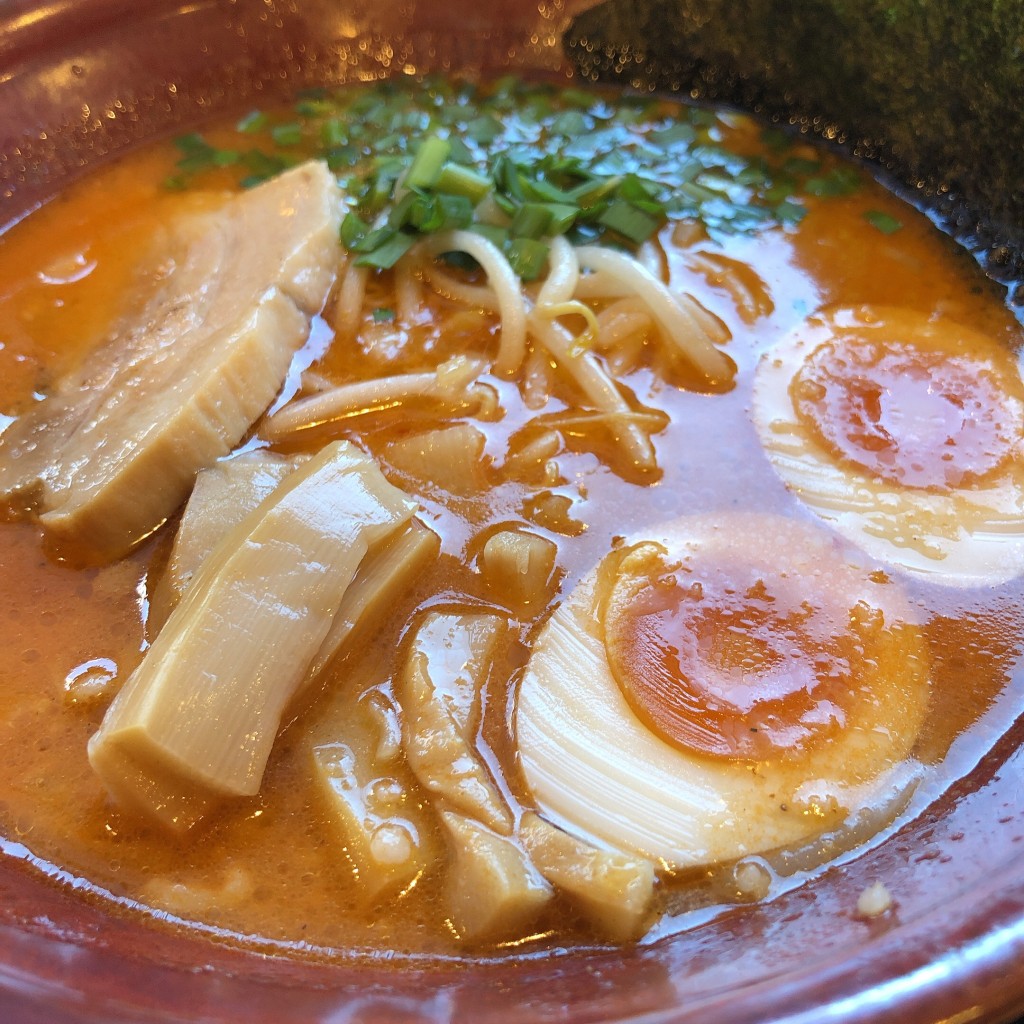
905,434
720,687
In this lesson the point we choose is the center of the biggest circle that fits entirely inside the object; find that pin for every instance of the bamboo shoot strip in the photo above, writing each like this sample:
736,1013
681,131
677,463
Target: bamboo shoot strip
384,827
612,889
388,569
198,718
493,888
440,694
223,496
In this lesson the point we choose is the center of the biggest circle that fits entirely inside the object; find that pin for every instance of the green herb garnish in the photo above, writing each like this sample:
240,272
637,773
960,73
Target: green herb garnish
418,158
287,134
885,222
254,121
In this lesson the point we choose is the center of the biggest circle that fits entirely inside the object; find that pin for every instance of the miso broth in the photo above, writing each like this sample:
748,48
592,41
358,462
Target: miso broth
743,472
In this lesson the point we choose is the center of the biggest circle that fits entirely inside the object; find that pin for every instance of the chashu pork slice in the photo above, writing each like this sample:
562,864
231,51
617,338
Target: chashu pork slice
114,450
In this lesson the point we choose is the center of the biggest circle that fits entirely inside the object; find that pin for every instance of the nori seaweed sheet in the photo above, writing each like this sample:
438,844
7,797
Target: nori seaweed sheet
930,90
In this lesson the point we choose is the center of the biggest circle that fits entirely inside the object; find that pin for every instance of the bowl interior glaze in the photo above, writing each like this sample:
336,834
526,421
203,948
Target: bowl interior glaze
82,80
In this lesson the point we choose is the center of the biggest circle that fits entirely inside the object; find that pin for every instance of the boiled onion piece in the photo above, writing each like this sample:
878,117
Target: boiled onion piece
906,435
450,458
719,687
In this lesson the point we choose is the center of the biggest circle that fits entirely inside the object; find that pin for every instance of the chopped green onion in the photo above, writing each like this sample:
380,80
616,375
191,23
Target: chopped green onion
342,156
756,175
261,166
506,178
571,123
353,230
789,212
594,191
461,153
563,216
374,239
484,129
192,143
314,107
333,133
196,162
426,166
840,181
532,220
699,192
378,189
798,165
627,220
495,235
287,134
401,212
636,191
457,180
254,121
453,145
526,257
457,212
673,135
387,253
383,315
543,191
885,223
576,97
198,155
440,213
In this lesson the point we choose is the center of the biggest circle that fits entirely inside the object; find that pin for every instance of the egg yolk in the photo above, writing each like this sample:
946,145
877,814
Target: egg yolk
913,417
727,661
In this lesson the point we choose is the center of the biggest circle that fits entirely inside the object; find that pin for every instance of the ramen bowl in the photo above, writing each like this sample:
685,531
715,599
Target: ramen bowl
85,81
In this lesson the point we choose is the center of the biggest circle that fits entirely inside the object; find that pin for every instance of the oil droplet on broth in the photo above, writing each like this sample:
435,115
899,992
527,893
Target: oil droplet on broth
91,681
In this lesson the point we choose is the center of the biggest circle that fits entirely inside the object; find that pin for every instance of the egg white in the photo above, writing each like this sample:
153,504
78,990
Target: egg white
595,768
971,536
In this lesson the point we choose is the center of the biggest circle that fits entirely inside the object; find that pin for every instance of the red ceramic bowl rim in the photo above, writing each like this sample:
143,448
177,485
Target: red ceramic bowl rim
961,960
